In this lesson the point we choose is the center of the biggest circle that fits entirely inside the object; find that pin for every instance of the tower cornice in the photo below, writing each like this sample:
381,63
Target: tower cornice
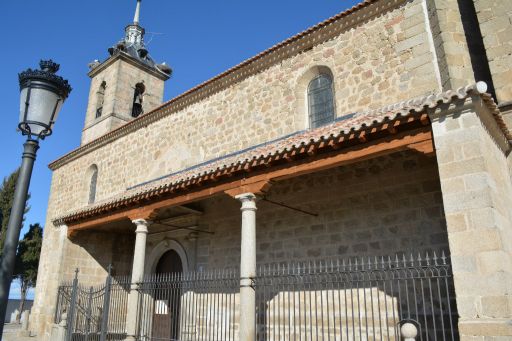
120,55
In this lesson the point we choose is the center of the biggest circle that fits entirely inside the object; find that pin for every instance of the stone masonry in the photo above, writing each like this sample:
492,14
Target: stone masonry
120,78
495,18
405,216
477,195
450,42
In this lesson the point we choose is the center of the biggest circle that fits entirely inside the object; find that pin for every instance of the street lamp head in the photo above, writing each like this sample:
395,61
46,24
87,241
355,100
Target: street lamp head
42,94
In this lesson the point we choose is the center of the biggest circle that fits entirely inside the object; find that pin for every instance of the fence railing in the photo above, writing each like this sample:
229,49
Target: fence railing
94,313
196,306
354,299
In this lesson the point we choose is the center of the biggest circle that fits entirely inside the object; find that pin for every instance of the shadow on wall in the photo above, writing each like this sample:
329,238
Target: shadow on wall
93,251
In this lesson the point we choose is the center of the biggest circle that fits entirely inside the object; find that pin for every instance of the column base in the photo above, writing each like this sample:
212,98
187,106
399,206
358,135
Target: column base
469,329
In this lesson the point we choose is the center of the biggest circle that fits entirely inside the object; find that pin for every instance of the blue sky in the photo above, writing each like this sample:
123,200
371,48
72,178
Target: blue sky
198,39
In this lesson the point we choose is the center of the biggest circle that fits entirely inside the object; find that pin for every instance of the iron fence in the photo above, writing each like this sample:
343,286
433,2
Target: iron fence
356,299
94,313
353,299
192,306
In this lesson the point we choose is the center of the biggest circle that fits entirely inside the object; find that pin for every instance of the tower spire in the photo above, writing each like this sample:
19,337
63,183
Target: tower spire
136,17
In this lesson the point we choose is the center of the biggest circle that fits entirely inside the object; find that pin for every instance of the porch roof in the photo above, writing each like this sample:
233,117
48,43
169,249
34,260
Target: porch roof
344,133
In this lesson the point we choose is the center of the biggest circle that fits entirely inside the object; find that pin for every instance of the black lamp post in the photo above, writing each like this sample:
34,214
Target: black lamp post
42,93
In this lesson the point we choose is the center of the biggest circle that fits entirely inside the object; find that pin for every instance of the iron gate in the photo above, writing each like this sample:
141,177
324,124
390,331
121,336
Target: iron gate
94,313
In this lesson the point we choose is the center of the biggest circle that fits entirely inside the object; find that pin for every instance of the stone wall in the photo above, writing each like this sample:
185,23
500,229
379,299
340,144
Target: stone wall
450,43
91,252
495,18
384,206
477,195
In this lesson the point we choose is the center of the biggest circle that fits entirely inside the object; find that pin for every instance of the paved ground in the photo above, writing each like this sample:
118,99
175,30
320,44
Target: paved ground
11,331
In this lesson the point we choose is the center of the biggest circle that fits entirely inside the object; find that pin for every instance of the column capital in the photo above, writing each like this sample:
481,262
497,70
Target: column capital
142,225
246,197
248,201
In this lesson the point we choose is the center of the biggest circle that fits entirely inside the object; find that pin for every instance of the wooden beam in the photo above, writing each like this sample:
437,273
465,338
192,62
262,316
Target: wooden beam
419,140
258,188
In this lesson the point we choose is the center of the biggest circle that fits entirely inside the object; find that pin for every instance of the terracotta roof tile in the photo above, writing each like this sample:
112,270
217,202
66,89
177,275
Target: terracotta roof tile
342,126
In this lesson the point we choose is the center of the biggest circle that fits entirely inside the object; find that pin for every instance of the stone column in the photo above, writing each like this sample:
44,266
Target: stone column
137,274
248,267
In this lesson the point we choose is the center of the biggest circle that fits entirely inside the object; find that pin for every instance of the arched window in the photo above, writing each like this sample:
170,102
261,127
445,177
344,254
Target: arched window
138,98
100,96
93,179
320,100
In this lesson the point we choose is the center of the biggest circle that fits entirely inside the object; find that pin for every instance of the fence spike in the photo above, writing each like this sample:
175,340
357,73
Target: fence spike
412,260
443,257
434,258
404,260
427,258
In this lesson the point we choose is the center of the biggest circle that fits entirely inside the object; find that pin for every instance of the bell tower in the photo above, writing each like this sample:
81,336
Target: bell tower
126,85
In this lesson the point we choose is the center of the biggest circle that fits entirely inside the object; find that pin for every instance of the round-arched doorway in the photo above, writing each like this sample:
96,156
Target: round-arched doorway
169,263
167,298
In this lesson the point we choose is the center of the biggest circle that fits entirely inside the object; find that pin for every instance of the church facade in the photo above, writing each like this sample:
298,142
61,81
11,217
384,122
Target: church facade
380,132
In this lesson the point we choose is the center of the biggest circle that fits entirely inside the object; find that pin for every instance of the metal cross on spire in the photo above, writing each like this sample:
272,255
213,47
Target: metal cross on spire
136,17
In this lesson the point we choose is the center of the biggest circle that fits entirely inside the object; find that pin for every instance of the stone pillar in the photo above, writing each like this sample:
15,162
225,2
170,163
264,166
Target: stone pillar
248,267
476,189
53,261
137,275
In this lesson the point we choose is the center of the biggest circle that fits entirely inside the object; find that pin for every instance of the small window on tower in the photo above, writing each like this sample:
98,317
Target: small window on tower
138,98
93,180
100,97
